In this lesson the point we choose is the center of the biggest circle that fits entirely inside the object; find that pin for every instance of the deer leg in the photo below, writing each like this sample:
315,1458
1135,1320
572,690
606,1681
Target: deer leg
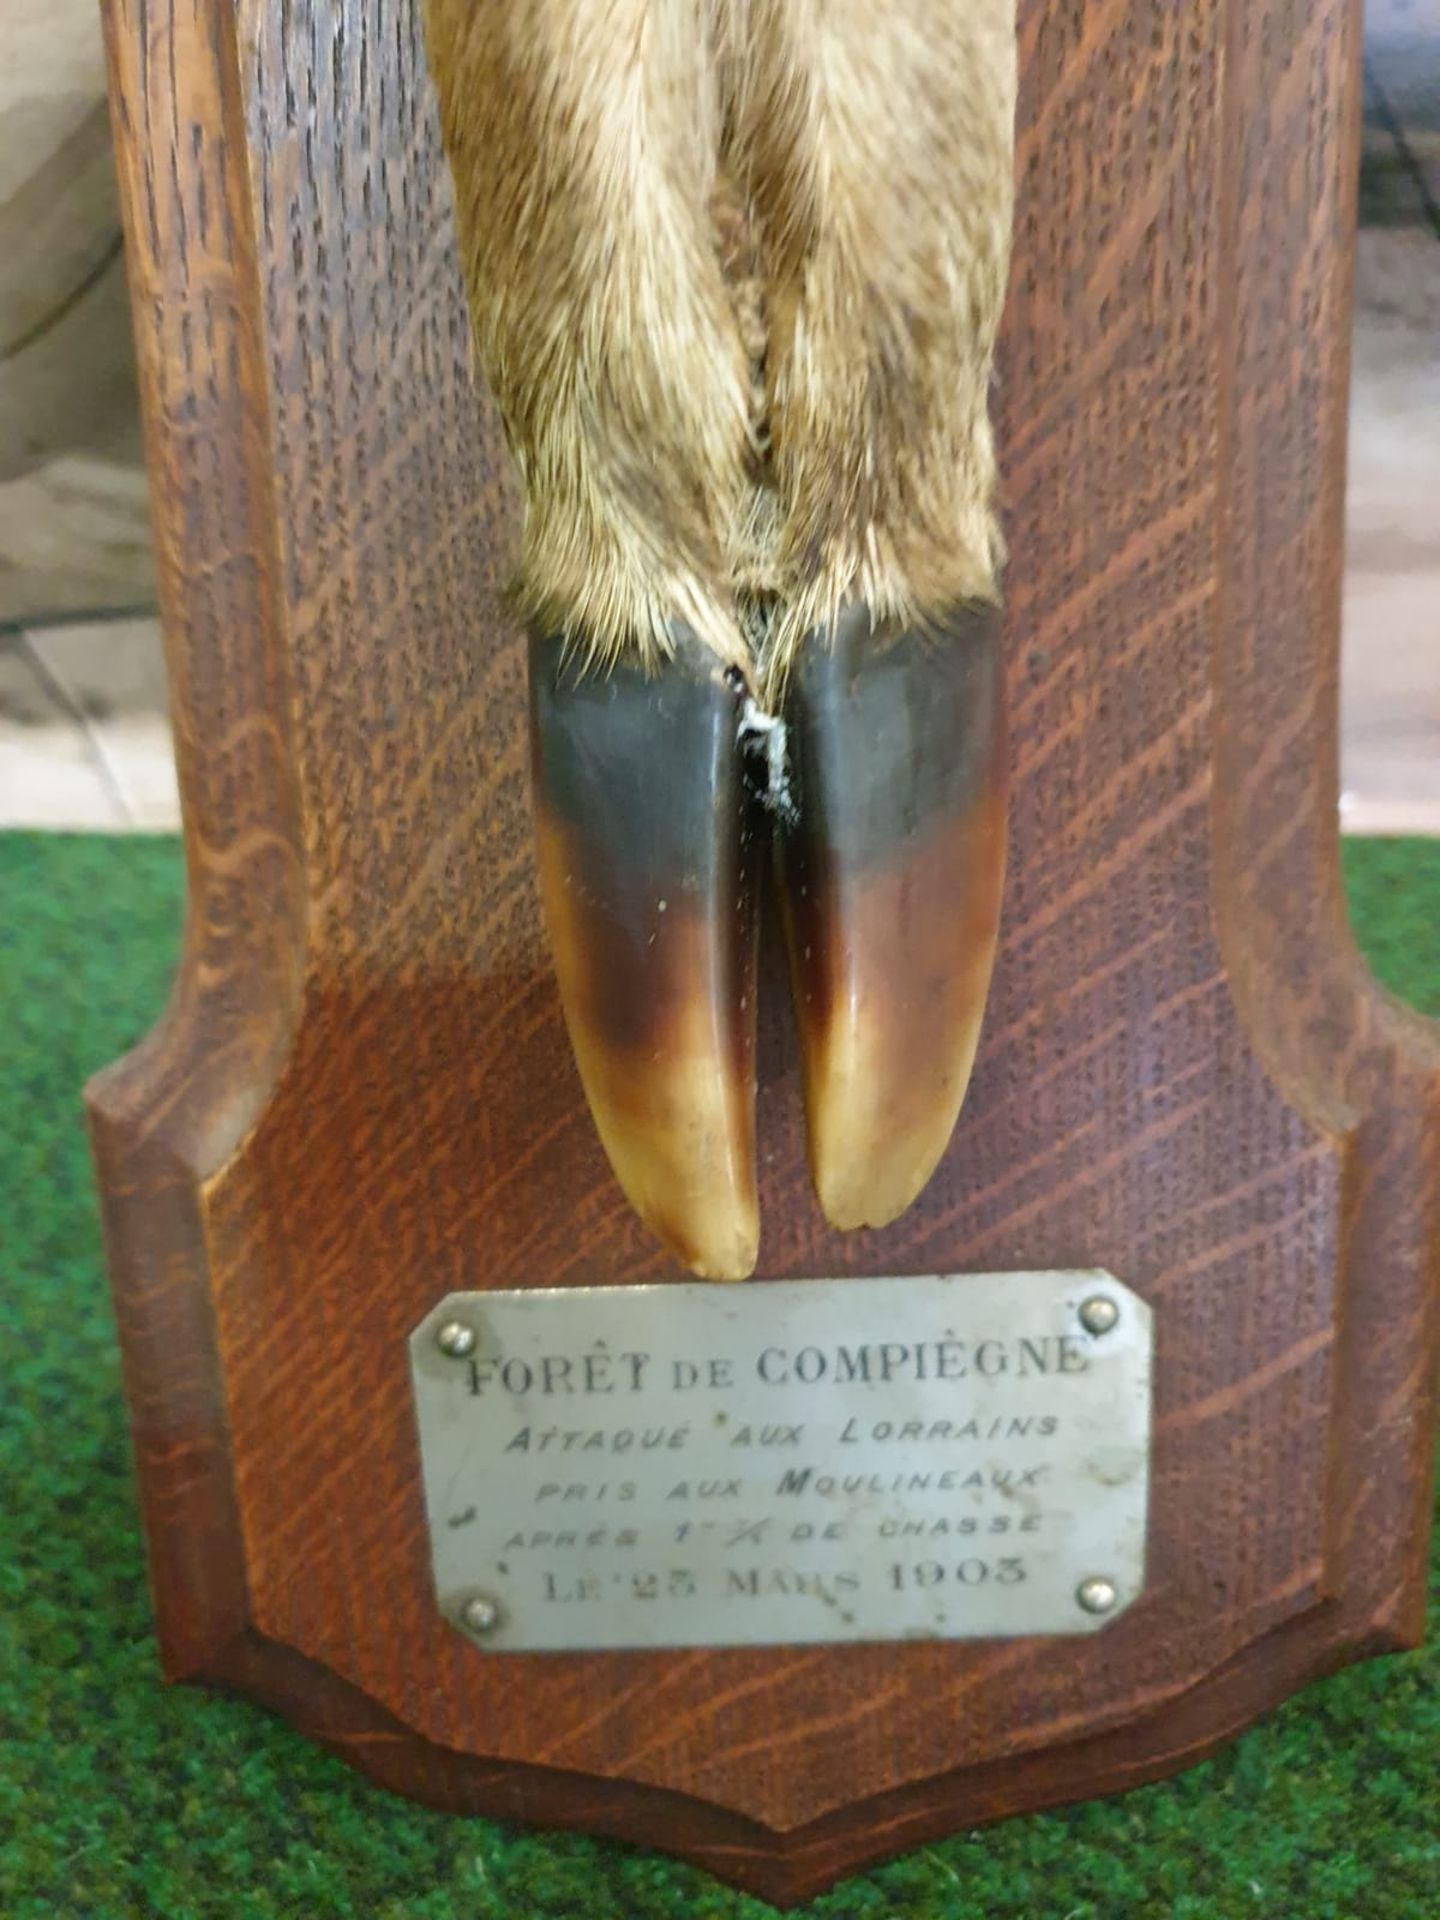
820,566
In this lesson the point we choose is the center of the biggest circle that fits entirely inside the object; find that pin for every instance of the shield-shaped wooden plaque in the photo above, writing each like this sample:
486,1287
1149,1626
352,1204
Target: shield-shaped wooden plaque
361,1100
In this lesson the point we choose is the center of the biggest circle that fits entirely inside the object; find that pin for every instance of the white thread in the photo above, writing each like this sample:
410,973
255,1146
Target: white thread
772,736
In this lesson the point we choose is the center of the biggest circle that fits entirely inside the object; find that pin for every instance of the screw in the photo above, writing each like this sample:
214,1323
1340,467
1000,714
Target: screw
480,1614
1097,1594
1099,1313
455,1339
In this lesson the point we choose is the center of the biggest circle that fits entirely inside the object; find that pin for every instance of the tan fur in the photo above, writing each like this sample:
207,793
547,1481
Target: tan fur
736,269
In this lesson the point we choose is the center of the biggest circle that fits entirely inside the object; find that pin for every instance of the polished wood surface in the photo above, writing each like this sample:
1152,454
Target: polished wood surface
361,1095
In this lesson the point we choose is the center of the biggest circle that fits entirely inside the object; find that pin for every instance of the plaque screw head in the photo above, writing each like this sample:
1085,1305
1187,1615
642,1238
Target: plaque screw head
455,1339
1099,1313
1097,1594
480,1614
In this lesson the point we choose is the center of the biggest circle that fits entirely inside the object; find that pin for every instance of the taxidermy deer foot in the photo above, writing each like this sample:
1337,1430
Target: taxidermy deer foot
736,269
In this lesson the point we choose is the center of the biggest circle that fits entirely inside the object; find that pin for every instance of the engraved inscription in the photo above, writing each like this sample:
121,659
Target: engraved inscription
941,1456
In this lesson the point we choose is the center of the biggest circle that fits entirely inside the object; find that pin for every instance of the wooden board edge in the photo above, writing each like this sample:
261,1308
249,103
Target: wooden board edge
787,1868
173,1111
1343,1052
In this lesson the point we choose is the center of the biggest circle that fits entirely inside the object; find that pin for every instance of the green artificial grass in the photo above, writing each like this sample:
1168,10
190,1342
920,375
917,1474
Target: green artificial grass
119,1796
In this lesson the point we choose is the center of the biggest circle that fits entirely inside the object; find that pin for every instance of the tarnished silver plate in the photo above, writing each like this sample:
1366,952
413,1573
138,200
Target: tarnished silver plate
944,1456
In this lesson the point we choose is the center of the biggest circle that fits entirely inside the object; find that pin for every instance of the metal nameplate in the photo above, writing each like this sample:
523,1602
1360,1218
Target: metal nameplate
938,1457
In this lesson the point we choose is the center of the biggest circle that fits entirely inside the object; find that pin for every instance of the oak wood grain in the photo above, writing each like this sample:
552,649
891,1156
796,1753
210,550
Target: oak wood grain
362,1097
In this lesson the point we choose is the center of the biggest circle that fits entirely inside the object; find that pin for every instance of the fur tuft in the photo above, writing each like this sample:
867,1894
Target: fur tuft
736,269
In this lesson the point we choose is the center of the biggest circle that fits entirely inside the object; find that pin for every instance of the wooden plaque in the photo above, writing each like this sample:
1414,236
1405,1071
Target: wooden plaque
361,1098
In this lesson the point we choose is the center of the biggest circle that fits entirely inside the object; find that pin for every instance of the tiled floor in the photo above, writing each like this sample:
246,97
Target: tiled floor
84,741
1390,730
84,735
